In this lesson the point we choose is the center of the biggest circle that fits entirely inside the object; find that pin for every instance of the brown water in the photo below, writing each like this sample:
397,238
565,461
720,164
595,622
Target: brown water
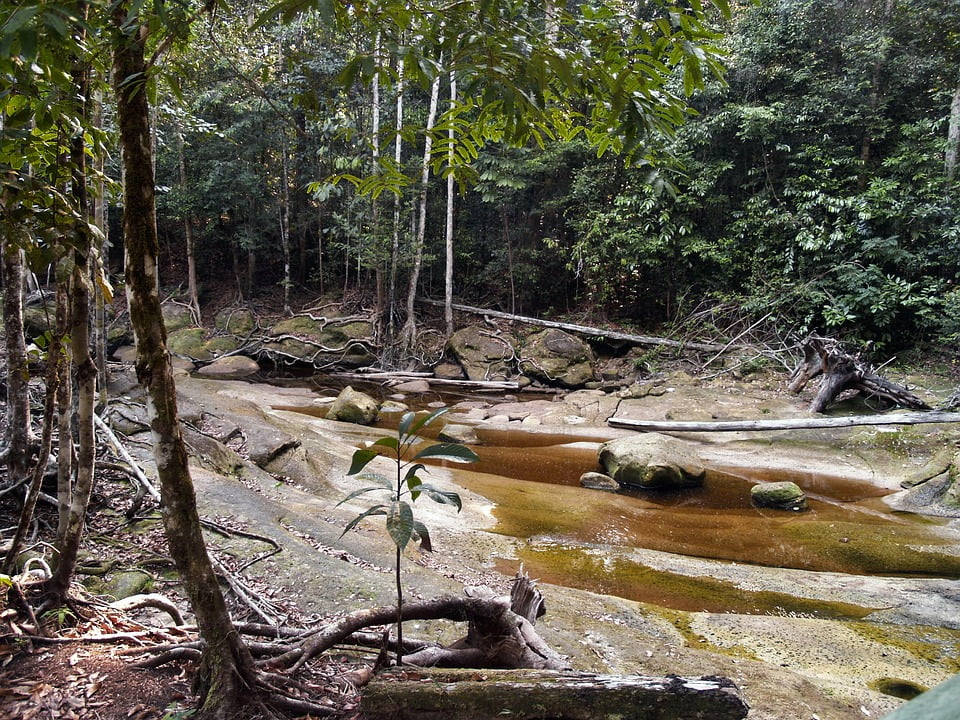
587,538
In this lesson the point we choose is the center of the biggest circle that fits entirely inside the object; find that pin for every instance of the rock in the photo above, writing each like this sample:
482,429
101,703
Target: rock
125,354
455,433
322,341
189,342
413,386
448,371
353,406
651,461
127,583
558,358
177,316
599,481
393,406
236,321
783,495
481,354
230,368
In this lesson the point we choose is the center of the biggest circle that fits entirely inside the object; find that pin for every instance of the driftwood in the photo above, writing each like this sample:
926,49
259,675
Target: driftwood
397,377
497,636
843,371
492,695
590,331
784,423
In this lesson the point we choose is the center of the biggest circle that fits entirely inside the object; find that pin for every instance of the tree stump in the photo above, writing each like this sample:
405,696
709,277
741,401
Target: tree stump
843,371
429,694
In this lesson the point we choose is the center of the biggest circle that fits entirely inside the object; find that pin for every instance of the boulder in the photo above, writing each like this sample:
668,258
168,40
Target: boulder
482,354
235,321
353,406
464,434
177,316
784,495
558,358
230,368
651,462
322,341
448,371
599,481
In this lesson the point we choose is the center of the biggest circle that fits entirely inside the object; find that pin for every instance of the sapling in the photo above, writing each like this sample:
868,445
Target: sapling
404,489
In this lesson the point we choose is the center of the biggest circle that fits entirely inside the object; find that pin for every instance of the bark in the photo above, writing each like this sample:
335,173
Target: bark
953,137
395,249
285,225
491,695
808,423
592,331
193,297
842,371
226,678
409,332
84,369
55,357
448,274
20,438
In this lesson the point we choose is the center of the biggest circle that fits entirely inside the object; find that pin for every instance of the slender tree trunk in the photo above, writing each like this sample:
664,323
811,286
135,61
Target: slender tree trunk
409,332
19,433
285,225
397,199
54,365
227,673
193,295
100,220
65,462
84,369
375,169
953,137
448,271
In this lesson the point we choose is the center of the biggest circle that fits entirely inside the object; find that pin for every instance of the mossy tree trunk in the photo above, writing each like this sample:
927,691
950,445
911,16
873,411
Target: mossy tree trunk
227,676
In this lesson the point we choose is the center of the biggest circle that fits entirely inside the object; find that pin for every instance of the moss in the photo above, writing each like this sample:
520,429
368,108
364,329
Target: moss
189,342
877,549
896,687
934,645
625,578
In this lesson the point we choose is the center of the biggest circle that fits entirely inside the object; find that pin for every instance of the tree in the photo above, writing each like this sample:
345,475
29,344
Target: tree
227,676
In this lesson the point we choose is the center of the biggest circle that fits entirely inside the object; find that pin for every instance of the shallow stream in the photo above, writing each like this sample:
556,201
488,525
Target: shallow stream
599,541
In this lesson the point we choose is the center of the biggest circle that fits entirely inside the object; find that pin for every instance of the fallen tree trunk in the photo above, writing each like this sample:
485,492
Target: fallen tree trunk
475,385
492,695
918,418
843,371
591,331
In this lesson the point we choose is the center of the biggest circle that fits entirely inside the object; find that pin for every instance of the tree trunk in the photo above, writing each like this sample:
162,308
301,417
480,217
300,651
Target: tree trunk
953,137
227,674
448,274
285,224
409,332
193,296
84,369
397,199
19,433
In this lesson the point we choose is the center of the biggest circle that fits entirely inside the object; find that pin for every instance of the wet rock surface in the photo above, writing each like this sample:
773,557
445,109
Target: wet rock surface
789,664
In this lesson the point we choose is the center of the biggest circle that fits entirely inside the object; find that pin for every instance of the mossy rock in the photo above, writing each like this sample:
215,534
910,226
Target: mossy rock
784,495
190,342
557,357
177,317
236,321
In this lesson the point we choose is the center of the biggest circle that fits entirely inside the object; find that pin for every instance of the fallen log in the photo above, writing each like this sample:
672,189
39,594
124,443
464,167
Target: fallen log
591,331
842,371
810,423
491,695
474,385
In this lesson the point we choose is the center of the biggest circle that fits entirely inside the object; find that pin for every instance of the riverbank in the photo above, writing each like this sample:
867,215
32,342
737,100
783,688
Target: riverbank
790,665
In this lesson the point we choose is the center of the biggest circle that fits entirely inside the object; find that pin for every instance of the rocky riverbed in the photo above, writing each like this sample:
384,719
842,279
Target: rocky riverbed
848,648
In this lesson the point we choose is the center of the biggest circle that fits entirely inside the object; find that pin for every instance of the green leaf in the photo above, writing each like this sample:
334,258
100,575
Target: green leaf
369,512
360,460
424,421
403,429
400,523
388,442
364,491
421,533
444,497
448,451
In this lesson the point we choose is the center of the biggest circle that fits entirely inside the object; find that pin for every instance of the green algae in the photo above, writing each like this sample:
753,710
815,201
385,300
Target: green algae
934,645
622,577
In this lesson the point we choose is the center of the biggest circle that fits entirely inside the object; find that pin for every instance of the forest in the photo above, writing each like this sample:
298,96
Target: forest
671,168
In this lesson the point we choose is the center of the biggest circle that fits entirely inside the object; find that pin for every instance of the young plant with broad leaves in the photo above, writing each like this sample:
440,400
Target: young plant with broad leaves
404,489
